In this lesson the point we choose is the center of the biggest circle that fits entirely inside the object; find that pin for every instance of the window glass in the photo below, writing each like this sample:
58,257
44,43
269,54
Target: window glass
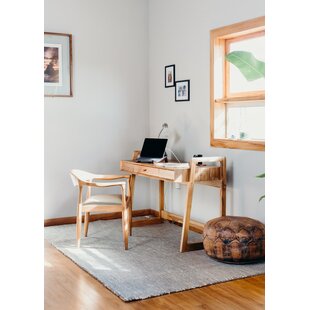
246,121
237,81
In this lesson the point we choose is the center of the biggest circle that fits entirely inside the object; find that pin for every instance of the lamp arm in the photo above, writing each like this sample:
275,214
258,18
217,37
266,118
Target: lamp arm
173,154
160,132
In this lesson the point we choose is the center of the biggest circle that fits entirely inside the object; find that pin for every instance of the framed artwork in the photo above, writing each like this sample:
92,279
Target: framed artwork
170,76
182,90
57,64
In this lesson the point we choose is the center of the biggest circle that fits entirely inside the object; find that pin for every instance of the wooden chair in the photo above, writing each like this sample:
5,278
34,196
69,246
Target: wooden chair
102,203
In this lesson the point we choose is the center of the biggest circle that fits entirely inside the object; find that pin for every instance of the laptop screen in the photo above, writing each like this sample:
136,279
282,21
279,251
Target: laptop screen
153,148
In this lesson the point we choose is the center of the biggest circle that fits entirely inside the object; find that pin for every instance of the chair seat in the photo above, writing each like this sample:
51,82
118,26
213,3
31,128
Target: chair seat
103,200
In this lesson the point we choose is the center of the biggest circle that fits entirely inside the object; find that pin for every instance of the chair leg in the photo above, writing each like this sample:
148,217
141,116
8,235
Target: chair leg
78,226
86,221
125,224
130,218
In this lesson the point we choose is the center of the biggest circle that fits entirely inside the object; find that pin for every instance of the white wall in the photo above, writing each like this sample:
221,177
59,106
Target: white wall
179,34
107,117
120,49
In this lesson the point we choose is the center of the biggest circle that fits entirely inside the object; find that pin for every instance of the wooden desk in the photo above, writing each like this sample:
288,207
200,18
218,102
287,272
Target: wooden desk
209,175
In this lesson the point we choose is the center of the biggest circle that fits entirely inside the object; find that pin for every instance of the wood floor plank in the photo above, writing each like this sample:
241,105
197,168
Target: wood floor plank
69,287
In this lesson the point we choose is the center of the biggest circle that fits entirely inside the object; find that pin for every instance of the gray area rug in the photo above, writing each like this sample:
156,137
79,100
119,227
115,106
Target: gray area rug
152,266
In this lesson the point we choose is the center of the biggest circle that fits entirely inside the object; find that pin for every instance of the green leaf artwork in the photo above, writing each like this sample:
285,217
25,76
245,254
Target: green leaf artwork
261,175
261,198
251,68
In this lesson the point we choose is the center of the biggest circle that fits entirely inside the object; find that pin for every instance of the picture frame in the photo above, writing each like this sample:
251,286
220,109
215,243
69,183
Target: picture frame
182,90
170,76
57,64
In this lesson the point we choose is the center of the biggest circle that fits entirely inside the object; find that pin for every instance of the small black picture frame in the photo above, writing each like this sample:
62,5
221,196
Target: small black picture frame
182,90
170,76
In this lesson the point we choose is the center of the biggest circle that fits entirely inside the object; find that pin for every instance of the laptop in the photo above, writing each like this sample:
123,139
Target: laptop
153,150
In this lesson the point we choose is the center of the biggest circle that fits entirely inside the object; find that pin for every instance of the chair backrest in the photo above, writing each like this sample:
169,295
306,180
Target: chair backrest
80,175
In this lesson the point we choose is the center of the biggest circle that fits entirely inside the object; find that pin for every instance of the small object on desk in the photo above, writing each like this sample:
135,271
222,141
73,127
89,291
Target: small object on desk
198,155
212,164
173,165
212,161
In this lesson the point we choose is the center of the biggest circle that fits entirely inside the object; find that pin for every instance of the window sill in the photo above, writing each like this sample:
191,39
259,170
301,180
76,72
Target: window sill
239,144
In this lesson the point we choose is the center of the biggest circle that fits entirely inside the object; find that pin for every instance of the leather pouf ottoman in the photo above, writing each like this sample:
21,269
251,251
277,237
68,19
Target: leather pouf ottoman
234,239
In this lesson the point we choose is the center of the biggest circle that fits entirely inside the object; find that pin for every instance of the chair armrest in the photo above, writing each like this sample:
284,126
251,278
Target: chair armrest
111,177
106,184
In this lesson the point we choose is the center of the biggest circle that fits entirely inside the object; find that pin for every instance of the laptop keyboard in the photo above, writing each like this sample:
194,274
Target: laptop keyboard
144,160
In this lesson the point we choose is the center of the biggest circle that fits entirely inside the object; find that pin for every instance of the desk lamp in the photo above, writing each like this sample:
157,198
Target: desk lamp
164,126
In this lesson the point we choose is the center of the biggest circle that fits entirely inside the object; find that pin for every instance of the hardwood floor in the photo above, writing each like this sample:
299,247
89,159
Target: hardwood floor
69,287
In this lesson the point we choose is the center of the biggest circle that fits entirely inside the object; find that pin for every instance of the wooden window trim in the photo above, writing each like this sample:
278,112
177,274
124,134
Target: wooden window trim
227,44
218,37
239,144
246,37
239,97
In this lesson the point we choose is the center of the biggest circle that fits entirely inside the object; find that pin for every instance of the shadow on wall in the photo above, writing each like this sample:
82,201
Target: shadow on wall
174,138
230,187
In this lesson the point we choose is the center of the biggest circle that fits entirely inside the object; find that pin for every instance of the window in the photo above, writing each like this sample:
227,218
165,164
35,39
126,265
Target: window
237,105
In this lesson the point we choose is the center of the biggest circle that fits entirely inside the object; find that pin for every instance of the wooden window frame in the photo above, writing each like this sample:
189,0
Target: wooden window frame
218,43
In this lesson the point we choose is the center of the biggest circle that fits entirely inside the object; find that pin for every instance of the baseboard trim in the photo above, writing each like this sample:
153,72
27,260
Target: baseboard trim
154,212
176,219
95,217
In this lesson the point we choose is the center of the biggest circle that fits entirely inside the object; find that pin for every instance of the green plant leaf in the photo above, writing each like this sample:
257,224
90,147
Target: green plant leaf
251,68
261,198
261,175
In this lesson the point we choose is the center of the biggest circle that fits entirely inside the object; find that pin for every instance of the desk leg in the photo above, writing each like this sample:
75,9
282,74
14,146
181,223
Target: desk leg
223,199
186,218
161,197
132,189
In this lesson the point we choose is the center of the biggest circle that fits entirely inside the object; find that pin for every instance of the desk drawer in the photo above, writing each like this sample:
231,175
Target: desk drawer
156,172
139,169
167,174
148,171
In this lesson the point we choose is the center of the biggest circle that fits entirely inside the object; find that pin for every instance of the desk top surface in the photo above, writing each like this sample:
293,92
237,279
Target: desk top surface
210,175
170,165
